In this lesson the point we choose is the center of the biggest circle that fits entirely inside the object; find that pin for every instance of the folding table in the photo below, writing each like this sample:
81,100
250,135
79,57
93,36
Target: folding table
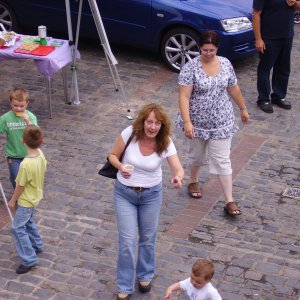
47,65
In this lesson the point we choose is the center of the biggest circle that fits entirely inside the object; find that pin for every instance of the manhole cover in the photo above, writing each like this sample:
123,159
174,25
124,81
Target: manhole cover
292,192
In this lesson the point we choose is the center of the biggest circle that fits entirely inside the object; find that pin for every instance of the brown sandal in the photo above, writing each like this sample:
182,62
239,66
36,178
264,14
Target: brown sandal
232,209
194,190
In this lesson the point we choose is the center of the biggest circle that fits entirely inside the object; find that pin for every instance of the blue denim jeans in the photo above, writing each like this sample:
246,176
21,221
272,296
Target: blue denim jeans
136,209
26,237
13,166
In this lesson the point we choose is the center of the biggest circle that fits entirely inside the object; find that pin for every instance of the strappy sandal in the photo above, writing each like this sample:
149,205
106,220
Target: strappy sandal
194,190
232,209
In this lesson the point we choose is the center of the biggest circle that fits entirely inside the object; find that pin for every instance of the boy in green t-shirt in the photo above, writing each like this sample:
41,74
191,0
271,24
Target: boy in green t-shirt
13,124
28,193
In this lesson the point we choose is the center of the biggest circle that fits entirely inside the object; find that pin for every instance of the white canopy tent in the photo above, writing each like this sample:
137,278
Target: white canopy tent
111,60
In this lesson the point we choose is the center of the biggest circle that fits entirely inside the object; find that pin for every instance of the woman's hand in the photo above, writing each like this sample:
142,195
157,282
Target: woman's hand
177,170
177,182
189,130
245,116
124,172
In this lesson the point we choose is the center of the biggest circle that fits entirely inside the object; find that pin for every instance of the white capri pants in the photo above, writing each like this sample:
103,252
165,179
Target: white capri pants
214,152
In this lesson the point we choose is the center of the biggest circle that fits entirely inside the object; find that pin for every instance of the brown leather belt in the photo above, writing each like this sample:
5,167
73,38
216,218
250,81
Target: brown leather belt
138,188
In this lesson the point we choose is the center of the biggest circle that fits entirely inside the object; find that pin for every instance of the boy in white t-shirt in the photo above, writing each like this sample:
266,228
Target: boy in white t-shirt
198,285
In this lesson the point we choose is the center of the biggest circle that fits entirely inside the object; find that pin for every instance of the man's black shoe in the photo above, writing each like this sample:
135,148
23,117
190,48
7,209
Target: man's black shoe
282,103
265,106
23,269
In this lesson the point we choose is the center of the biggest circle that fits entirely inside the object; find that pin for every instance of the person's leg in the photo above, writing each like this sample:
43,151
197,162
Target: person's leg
148,217
194,173
266,63
220,164
34,235
126,215
13,166
20,235
226,183
197,157
281,72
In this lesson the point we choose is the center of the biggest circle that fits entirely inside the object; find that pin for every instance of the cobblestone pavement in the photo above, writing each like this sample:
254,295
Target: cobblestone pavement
256,255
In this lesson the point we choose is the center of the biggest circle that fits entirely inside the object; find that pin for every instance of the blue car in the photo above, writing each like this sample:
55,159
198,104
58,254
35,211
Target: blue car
170,27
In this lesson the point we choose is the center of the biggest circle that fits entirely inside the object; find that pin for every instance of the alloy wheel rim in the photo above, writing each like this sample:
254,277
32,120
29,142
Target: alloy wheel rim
180,49
5,18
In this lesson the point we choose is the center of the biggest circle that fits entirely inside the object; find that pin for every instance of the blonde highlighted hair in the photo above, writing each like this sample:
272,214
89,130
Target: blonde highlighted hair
19,94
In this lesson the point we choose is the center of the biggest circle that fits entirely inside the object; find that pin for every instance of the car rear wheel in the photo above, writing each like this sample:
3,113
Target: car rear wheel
179,46
297,17
7,17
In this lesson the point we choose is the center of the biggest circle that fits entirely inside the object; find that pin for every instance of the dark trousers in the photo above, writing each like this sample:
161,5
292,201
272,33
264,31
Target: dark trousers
277,56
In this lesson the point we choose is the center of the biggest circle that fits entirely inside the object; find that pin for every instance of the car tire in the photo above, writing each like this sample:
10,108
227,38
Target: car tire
7,17
179,46
297,17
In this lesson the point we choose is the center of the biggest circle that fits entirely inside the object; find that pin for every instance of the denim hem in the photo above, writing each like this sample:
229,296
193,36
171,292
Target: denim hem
145,279
125,292
32,264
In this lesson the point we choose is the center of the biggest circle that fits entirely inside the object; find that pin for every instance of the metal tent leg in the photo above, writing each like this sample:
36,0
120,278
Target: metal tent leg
5,201
111,60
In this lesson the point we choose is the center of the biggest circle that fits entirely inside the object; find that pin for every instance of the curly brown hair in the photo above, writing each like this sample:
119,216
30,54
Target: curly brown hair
163,136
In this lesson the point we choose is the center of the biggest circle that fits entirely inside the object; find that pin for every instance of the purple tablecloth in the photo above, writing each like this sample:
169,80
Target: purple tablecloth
46,65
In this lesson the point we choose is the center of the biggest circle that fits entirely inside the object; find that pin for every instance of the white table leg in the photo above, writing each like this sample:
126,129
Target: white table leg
64,78
48,85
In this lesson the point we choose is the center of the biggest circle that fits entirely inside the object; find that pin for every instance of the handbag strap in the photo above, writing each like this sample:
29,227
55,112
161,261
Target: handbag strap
127,144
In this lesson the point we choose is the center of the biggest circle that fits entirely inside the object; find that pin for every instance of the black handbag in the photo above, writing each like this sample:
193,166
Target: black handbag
108,170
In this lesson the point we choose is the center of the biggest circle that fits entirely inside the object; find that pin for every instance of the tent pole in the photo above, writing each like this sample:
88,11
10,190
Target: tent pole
111,60
74,83
69,21
5,201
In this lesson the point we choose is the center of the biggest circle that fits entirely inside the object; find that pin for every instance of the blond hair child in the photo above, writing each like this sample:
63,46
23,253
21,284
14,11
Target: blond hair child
13,124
